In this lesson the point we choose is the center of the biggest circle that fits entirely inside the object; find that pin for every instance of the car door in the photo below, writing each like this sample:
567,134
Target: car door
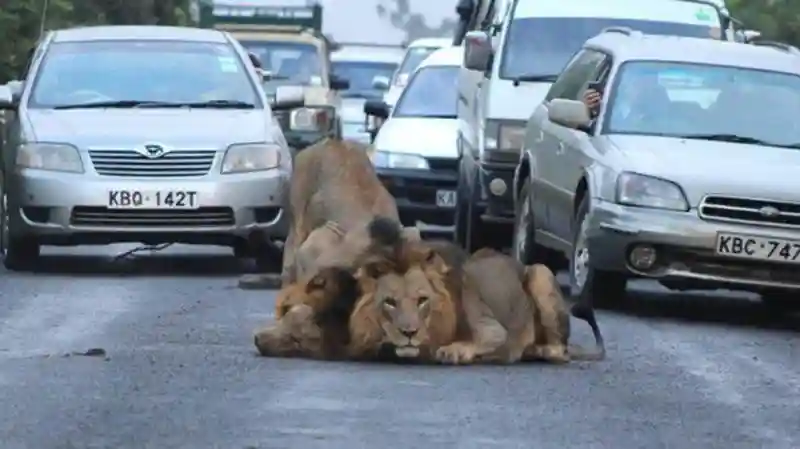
550,143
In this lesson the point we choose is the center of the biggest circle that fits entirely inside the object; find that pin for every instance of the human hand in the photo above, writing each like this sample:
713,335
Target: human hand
592,98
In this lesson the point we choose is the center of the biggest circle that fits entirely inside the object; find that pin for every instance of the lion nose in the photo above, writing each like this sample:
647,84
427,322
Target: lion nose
409,332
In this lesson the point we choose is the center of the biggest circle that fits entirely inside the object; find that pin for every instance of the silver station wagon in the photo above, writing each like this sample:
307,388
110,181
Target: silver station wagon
686,172
142,134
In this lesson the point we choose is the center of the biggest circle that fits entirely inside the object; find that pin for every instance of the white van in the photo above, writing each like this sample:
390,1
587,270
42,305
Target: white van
416,52
415,153
508,69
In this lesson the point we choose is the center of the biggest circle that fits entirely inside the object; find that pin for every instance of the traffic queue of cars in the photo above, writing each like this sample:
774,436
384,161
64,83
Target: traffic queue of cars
674,175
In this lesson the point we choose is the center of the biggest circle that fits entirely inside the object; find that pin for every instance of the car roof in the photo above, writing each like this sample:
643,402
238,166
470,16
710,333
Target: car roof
448,56
138,32
431,42
638,46
369,53
675,11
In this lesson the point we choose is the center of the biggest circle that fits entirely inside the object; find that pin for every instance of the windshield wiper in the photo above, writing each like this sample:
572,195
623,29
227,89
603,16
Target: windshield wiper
534,79
735,138
216,104
116,104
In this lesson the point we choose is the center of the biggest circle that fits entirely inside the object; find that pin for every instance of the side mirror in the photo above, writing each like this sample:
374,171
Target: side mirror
376,108
570,113
288,97
465,9
15,87
255,60
339,83
751,35
477,51
6,99
380,83
266,75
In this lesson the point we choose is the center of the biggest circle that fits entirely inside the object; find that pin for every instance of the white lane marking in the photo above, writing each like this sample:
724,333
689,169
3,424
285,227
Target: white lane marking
51,323
725,380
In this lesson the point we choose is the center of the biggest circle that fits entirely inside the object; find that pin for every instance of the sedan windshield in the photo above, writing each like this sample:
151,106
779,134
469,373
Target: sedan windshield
413,58
541,47
290,62
431,93
705,102
361,75
135,73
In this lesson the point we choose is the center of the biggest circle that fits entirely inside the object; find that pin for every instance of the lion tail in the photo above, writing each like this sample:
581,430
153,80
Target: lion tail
599,353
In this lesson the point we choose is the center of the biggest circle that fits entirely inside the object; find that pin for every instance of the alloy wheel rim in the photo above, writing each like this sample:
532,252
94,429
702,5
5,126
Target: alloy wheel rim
522,229
580,258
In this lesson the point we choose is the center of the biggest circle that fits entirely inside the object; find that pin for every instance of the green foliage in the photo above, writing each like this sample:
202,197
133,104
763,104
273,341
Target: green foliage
21,22
776,19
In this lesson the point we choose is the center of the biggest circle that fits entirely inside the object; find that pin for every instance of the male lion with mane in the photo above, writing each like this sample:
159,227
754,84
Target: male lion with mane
430,301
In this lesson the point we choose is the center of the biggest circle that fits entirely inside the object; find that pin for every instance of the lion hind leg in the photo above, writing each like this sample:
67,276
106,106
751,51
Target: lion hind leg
549,311
488,335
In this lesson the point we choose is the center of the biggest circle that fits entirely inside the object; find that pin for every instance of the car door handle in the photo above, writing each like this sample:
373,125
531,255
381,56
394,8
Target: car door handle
560,148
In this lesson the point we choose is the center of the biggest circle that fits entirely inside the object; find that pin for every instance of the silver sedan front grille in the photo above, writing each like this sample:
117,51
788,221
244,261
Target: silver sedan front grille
752,211
132,164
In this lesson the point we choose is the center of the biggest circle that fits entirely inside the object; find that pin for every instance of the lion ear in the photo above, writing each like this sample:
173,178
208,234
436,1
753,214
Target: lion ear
434,260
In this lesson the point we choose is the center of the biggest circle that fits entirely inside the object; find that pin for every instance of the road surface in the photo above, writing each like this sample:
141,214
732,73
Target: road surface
180,371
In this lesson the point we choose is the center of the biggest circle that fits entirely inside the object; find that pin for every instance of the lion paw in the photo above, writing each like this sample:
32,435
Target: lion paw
555,353
456,354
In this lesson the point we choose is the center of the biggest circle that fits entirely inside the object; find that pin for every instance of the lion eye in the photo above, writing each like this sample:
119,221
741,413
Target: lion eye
422,300
390,302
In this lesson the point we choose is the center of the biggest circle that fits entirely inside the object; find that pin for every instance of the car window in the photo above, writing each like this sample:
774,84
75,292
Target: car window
580,70
163,71
412,59
361,74
543,46
294,62
683,100
431,93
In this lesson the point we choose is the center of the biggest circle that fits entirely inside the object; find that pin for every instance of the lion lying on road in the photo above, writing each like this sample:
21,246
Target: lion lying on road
433,303
312,314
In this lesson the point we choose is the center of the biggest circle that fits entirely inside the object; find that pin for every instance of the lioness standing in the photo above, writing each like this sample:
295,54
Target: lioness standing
333,182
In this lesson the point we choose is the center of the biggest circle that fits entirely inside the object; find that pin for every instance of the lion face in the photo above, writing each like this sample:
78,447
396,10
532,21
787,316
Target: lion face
331,290
412,307
295,334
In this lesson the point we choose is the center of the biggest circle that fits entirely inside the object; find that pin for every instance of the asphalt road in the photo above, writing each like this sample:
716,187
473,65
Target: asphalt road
683,372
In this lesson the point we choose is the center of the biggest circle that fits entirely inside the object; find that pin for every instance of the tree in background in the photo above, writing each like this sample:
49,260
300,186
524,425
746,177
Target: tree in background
776,19
22,20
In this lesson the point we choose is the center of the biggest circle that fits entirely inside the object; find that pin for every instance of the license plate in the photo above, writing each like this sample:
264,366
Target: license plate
152,199
446,198
758,248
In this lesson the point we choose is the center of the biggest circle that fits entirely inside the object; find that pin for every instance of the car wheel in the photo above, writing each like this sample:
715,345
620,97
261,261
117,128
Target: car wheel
523,246
460,223
591,286
781,301
269,258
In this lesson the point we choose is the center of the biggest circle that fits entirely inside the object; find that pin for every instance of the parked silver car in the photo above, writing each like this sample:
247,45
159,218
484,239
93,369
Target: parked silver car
142,134
687,174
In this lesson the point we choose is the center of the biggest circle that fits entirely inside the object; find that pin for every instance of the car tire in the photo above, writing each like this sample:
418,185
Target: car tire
268,258
475,237
781,301
591,287
523,245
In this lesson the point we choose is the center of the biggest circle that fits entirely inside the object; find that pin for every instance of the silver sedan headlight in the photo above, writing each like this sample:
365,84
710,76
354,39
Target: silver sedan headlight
251,157
386,159
638,190
49,156
311,119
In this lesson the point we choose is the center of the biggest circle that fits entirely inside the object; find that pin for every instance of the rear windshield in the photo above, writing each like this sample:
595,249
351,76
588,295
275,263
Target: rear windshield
361,75
543,46
413,58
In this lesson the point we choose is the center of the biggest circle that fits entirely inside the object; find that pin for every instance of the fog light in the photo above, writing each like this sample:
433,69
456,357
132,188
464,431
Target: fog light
642,257
497,187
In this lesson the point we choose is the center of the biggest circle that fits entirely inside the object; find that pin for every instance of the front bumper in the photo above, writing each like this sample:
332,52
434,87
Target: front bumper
685,247
415,192
64,208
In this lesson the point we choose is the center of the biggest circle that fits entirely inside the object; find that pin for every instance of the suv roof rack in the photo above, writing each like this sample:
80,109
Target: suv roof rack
777,45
